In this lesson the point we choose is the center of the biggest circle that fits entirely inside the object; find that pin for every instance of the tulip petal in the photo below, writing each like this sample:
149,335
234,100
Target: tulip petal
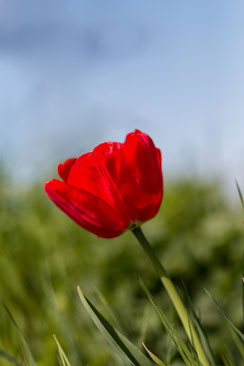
64,168
141,182
109,153
159,158
88,211
97,173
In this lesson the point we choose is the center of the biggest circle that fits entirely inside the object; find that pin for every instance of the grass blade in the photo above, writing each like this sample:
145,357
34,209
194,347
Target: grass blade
238,343
240,334
227,361
10,358
154,357
110,311
27,353
200,330
129,353
240,193
186,354
62,355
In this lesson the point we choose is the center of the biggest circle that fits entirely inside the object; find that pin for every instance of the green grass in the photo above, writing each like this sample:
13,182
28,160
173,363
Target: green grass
198,234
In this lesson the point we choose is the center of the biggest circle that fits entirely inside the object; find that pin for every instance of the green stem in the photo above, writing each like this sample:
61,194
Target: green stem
170,288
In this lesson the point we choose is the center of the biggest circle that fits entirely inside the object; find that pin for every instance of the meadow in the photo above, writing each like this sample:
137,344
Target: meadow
198,234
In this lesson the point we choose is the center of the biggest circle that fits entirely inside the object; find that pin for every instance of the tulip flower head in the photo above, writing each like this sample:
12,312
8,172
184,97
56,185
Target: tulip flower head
112,188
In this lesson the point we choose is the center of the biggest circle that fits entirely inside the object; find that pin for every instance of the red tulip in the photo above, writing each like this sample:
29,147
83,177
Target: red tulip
115,186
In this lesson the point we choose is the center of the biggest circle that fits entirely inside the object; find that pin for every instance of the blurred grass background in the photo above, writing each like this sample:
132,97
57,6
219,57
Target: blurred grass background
75,73
198,234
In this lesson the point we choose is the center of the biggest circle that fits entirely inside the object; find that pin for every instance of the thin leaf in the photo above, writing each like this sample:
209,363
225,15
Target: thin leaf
9,358
62,355
113,318
27,353
200,330
238,343
60,318
154,357
192,343
129,353
184,351
227,361
240,193
241,335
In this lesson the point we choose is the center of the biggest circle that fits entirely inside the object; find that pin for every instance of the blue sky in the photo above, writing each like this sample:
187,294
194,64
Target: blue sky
74,73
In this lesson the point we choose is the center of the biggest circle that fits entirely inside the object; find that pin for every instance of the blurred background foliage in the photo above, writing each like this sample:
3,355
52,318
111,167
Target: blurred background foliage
198,234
